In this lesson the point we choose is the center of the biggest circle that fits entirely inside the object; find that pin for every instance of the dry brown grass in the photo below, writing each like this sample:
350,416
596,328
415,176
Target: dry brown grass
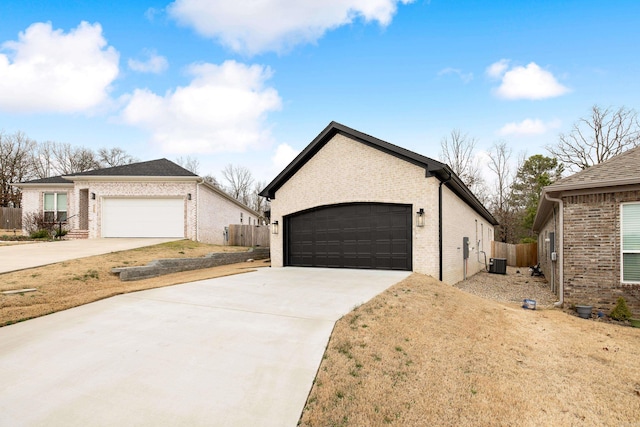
81,281
424,353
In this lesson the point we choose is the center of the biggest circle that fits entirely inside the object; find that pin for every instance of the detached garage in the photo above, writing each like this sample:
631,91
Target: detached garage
143,217
350,200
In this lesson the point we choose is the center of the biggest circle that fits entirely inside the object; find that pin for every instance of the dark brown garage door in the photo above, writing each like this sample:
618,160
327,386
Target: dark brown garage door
363,235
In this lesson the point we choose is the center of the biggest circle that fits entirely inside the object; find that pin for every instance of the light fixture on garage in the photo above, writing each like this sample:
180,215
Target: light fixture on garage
420,218
93,196
188,196
274,227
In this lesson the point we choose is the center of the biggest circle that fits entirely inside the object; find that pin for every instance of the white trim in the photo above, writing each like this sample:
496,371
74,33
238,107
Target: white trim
622,251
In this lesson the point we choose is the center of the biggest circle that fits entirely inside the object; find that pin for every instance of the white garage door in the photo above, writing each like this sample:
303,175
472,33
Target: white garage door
125,217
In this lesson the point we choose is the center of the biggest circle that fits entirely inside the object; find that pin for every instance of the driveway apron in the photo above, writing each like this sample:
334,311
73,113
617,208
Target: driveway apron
234,351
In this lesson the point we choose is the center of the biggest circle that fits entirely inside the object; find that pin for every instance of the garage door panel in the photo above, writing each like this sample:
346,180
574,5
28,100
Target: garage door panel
366,235
140,217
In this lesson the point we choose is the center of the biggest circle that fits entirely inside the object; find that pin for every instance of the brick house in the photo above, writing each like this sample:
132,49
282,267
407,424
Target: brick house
157,198
350,200
588,227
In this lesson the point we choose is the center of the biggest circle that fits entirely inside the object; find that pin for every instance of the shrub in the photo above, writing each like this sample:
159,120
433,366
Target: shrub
40,234
621,311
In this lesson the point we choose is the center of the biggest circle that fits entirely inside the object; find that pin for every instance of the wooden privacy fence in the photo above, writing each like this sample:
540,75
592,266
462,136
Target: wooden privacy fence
248,235
10,218
520,255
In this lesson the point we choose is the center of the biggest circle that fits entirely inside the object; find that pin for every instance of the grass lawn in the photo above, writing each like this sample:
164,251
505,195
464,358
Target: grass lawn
84,280
424,353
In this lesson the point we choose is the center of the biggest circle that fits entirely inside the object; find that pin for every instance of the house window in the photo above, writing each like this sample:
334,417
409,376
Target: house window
631,242
55,207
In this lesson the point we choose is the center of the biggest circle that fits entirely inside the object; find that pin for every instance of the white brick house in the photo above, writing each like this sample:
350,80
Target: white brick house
157,198
350,200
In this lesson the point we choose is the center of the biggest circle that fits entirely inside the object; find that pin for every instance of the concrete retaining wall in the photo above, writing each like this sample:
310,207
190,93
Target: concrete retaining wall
160,267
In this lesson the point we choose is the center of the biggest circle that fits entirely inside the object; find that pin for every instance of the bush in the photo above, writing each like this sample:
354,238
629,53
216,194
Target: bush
40,234
621,311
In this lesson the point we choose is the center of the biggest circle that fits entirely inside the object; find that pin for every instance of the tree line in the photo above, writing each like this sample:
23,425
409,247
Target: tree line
514,192
24,159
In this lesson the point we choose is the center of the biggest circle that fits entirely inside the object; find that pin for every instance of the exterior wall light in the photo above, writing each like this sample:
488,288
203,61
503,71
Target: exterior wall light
93,196
274,227
188,196
420,218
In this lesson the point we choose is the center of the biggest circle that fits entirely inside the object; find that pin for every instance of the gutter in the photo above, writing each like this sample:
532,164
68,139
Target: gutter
440,224
561,249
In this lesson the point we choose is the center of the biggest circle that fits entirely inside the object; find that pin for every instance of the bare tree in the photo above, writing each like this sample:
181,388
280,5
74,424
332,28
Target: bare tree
457,151
192,164
116,156
592,140
42,160
239,182
69,160
15,166
501,205
258,203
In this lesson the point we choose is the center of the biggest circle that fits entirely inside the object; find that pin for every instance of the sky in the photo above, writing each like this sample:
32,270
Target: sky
251,83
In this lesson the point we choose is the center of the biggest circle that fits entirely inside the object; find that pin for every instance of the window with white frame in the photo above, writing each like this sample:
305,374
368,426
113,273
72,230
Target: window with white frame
630,242
55,207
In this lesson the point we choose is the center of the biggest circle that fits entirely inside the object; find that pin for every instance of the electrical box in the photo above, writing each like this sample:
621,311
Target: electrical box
554,256
465,248
552,243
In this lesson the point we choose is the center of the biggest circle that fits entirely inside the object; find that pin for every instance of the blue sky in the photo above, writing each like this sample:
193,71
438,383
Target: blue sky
252,83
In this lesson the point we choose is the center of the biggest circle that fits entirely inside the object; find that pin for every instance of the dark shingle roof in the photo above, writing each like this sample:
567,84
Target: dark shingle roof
50,180
160,167
624,166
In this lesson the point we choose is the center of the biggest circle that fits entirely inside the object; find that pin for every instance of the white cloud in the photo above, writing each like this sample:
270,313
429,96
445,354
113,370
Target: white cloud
283,156
154,63
276,25
48,70
222,109
497,69
465,77
530,82
528,127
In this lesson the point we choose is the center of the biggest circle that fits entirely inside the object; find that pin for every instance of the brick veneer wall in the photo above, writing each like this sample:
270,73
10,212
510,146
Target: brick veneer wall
347,171
592,251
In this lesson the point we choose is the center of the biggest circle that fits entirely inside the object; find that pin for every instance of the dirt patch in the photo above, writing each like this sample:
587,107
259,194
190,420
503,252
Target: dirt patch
81,281
425,353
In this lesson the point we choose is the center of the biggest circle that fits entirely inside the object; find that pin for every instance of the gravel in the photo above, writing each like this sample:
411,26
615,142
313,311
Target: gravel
513,287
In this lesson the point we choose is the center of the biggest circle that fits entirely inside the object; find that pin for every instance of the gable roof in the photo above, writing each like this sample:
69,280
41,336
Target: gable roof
152,168
160,167
617,171
432,167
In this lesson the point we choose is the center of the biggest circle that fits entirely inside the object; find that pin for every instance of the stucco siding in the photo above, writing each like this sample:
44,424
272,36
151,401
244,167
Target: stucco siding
347,171
459,220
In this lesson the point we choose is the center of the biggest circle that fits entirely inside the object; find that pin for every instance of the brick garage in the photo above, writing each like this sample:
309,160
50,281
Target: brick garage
352,200
581,219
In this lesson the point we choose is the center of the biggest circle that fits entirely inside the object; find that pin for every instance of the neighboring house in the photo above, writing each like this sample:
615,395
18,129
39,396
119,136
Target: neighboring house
350,200
157,198
588,227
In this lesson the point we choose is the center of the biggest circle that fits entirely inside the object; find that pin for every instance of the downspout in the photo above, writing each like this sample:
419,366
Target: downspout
561,248
198,184
440,224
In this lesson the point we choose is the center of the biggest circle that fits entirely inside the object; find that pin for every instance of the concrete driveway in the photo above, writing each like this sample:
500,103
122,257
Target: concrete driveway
29,255
235,351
